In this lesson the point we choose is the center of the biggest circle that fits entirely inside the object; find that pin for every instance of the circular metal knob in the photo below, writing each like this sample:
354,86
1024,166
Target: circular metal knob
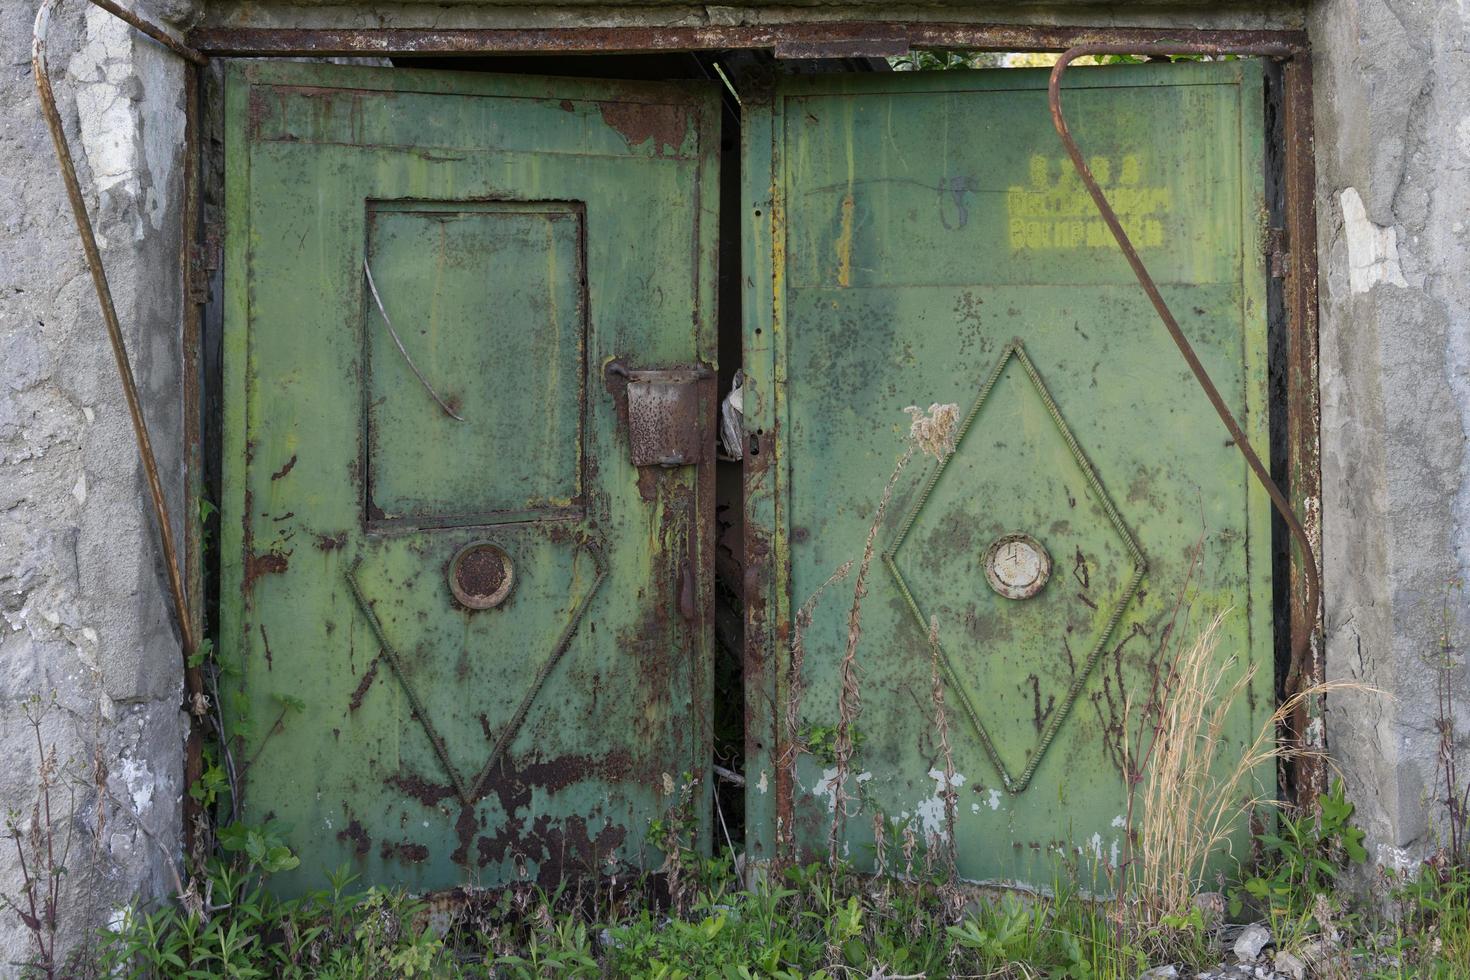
481,575
1017,566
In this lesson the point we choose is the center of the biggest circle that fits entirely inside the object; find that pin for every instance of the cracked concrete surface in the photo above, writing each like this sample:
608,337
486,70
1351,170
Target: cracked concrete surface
1392,82
84,618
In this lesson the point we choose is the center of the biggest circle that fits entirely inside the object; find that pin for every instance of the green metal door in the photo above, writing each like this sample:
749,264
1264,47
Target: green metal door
470,632
922,238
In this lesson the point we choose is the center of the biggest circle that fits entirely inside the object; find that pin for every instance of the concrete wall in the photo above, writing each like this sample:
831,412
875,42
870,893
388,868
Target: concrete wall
1393,162
82,595
84,615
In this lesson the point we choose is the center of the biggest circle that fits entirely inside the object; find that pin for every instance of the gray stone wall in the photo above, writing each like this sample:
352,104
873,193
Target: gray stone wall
1392,85
84,616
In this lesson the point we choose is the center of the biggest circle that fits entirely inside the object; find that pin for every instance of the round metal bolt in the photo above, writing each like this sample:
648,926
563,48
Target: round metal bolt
1017,566
481,575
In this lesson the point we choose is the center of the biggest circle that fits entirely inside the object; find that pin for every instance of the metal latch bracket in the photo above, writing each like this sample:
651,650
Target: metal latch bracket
669,414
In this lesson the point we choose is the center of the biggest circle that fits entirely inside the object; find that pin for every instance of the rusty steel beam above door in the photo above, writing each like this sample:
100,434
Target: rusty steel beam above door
797,40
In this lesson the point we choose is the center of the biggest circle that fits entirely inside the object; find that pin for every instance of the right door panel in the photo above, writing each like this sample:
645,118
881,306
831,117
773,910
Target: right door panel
923,239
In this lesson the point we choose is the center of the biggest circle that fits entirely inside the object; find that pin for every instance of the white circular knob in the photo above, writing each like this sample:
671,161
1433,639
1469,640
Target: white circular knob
1017,566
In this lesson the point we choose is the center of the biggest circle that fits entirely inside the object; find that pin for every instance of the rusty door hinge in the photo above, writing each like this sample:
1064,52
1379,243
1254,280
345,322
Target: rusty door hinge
204,261
1278,256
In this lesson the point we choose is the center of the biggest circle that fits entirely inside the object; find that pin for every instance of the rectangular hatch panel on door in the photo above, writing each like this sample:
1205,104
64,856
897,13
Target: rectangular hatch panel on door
492,293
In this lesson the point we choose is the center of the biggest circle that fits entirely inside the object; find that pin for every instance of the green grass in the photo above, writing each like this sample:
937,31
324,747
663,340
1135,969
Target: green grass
807,922
1425,932
695,919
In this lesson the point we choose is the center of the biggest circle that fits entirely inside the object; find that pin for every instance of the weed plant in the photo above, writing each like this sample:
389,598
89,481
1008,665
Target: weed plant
812,921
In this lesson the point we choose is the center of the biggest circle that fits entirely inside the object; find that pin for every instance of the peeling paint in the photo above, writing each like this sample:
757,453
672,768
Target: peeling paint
108,125
665,127
931,811
1400,859
827,786
1373,251
138,779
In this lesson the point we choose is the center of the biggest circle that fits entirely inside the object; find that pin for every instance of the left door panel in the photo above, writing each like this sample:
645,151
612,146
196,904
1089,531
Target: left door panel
468,636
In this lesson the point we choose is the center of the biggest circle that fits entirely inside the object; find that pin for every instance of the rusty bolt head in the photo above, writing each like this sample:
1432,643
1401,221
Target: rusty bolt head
481,575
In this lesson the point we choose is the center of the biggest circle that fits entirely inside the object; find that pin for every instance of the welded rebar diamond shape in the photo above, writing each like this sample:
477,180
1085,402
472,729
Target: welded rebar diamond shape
1017,486
432,690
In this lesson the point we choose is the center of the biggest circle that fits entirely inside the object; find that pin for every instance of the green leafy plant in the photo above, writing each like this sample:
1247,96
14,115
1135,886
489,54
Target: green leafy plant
262,845
999,941
821,742
330,933
806,921
1303,860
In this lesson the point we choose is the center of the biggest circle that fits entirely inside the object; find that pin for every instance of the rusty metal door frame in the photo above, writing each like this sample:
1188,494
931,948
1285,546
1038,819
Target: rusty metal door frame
1295,255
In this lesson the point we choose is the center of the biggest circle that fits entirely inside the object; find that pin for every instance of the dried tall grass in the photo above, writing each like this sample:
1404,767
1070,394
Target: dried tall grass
941,727
931,433
849,690
796,692
1192,799
795,678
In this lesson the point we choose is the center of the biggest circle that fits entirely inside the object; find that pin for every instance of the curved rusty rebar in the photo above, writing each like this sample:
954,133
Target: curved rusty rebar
398,342
47,96
1300,643
154,31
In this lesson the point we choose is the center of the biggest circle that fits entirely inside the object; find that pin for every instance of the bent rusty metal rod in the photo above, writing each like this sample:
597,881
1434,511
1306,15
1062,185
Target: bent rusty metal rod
373,288
47,96
1283,506
154,31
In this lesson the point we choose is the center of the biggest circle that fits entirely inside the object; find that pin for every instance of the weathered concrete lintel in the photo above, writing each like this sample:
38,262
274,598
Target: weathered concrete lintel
473,14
